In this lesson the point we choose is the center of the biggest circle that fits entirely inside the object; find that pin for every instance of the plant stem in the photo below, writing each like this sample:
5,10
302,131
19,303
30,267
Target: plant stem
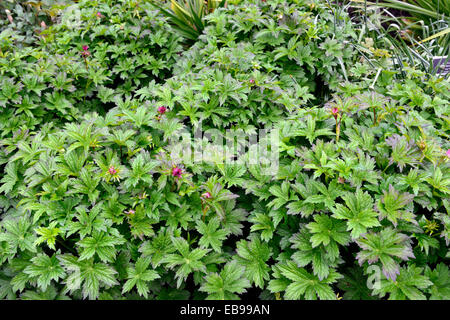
374,115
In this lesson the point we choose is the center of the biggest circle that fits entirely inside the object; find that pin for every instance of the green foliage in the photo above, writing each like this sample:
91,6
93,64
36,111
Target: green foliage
253,256
185,260
358,211
298,283
385,247
99,201
409,284
227,284
139,276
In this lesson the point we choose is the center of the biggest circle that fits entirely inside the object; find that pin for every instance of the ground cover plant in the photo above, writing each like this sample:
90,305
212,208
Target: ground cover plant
112,185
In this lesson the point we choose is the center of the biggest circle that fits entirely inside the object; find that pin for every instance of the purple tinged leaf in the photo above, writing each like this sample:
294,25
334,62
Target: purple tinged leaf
407,253
392,273
373,260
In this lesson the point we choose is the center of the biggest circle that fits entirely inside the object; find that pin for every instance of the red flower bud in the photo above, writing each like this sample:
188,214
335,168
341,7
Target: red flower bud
112,171
206,195
162,110
335,112
176,172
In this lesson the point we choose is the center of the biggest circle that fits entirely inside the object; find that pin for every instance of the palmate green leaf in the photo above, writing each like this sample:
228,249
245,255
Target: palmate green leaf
158,247
87,275
263,223
45,269
212,236
182,23
358,211
384,247
85,221
328,230
87,184
440,277
48,235
426,241
139,276
229,82
28,151
289,51
185,261
139,117
311,132
392,206
100,244
227,284
327,196
253,256
71,163
282,195
83,135
233,218
19,281
141,169
181,216
404,152
322,258
305,285
408,285
140,224
219,196
415,180
232,173
440,180
18,235
305,187
6,290
170,127
105,94
10,178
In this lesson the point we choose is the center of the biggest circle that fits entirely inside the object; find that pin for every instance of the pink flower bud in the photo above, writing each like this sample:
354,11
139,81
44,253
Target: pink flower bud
335,112
131,211
162,110
206,195
112,171
252,81
176,172
43,25
99,15
85,52
448,153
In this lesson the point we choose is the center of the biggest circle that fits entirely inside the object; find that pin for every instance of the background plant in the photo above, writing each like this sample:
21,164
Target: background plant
94,205
188,15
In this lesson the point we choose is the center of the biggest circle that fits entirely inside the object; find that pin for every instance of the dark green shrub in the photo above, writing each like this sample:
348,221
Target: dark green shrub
106,206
